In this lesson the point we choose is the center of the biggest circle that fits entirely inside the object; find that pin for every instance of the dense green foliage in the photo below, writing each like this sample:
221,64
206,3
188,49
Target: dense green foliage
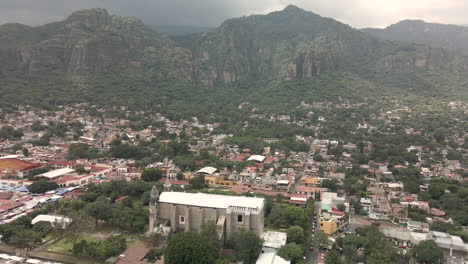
151,175
283,216
427,251
189,248
376,248
81,151
101,250
453,37
292,252
22,233
453,201
8,132
42,186
247,246
296,235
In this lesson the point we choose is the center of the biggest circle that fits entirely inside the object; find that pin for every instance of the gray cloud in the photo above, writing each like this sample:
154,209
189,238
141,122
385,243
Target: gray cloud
357,13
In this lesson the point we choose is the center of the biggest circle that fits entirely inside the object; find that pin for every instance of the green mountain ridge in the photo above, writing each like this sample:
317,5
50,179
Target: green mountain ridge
110,60
452,37
179,30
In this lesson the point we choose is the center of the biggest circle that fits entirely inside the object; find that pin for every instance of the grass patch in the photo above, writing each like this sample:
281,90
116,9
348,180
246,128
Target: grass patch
63,246
48,237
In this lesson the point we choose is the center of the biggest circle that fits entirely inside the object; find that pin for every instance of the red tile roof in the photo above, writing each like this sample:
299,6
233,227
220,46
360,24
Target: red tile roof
176,182
17,165
302,188
6,205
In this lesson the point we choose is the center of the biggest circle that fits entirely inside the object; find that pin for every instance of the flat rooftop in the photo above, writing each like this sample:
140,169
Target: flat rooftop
211,200
56,173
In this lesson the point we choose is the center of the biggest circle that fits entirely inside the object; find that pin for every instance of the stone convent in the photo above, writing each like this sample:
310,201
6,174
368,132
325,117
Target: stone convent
183,212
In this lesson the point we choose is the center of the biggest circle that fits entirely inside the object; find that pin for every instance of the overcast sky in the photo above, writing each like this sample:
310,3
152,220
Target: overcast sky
357,13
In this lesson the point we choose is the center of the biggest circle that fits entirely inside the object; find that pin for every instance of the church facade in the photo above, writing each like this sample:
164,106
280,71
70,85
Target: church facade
184,212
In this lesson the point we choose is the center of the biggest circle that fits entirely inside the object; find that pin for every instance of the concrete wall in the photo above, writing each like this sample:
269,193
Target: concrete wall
195,217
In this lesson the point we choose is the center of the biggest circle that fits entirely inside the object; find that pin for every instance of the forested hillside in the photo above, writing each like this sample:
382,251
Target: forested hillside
451,37
273,61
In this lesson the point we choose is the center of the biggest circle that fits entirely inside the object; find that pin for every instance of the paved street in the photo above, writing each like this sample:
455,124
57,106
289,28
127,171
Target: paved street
312,257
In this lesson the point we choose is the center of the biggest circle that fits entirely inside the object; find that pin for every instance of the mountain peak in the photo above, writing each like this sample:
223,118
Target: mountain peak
292,8
90,18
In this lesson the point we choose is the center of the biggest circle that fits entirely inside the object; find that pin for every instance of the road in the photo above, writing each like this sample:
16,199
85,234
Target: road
312,257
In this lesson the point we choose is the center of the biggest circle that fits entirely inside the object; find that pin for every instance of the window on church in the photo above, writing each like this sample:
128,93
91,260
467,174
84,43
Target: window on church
182,219
240,218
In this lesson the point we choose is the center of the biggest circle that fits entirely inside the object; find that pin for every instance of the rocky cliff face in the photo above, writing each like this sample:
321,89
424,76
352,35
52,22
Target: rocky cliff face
293,43
90,41
290,44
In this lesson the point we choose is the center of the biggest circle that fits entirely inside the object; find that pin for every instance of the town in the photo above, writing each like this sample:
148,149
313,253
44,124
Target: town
335,183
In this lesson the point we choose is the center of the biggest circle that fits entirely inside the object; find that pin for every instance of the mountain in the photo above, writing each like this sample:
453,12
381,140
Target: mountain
175,30
297,44
83,57
451,37
274,61
87,41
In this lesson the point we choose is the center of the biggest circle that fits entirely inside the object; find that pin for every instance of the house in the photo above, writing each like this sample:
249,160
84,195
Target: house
54,220
331,222
273,241
366,205
256,158
301,189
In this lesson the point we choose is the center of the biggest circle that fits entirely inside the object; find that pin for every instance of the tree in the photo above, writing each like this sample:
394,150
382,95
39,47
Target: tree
154,254
198,182
331,184
189,248
377,257
247,246
102,250
151,175
320,240
78,151
25,152
443,226
333,257
42,141
24,238
427,251
341,207
411,186
9,132
440,134
295,235
180,176
101,209
208,230
436,190
37,126
74,230
454,155
292,252
129,218
42,186
318,158
80,169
